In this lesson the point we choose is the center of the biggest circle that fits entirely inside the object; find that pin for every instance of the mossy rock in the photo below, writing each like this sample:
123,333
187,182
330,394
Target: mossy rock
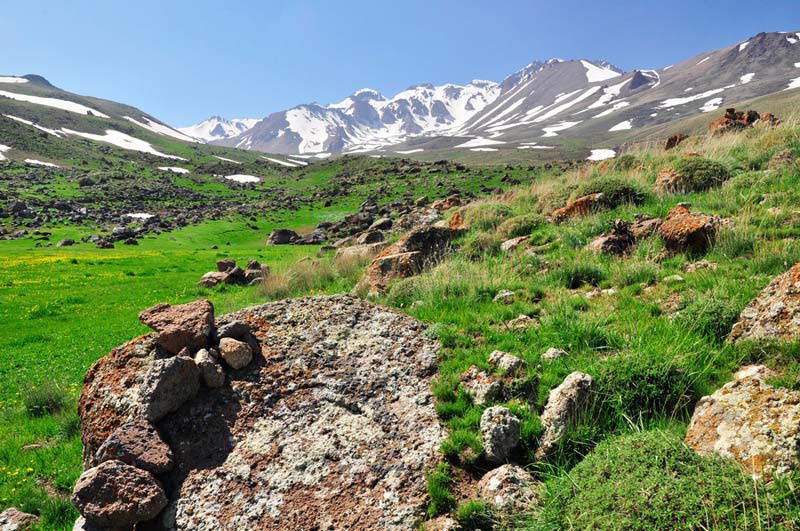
616,191
691,174
522,225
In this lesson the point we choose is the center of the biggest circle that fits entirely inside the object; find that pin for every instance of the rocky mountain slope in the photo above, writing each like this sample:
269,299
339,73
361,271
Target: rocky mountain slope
218,128
543,106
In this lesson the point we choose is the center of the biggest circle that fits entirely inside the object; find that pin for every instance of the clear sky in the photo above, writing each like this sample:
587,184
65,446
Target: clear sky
183,61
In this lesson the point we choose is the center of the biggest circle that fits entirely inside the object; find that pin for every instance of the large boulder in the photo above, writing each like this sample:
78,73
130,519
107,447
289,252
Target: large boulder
331,426
563,405
686,232
282,237
117,495
775,313
185,325
734,120
416,250
747,420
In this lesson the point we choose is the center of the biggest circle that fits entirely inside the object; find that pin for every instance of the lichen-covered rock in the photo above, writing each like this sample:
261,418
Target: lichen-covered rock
563,404
686,232
747,420
137,443
359,253
513,243
509,488
500,433
643,226
579,207
117,495
416,250
553,353
184,325
210,369
482,387
505,363
237,354
775,313
12,519
442,523
331,426
167,385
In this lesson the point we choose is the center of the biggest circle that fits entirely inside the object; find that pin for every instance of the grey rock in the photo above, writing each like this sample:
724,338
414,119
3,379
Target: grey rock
167,385
500,433
562,406
210,369
236,353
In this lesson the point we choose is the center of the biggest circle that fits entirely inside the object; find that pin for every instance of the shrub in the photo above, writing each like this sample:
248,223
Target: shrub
480,245
486,216
652,480
624,162
700,173
522,225
617,191
475,515
439,484
45,399
709,315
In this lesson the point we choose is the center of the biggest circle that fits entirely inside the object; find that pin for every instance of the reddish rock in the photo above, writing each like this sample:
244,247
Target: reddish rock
457,220
684,231
674,141
579,207
620,240
117,495
185,325
13,519
734,120
416,250
643,226
137,443
447,204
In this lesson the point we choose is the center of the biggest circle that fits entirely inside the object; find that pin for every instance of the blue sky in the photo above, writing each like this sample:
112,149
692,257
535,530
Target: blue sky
183,61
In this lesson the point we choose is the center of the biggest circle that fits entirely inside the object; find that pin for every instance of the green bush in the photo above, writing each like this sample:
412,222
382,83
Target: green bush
617,191
701,173
440,494
652,480
45,399
486,216
624,162
522,225
480,245
475,515
709,315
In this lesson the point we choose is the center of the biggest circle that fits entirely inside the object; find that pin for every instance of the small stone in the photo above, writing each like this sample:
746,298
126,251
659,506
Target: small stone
137,443
509,488
504,296
210,369
235,353
114,494
500,433
235,329
562,406
553,354
442,523
672,279
482,387
507,364
12,519
64,243
167,385
513,243
185,325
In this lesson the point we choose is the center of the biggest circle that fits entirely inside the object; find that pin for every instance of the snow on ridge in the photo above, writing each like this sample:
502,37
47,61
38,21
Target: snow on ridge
564,106
672,102
160,129
479,142
609,93
711,105
703,61
743,45
601,154
123,141
747,78
553,130
65,105
242,178
615,107
596,73
12,79
281,162
40,163
226,160
622,126
174,169
39,127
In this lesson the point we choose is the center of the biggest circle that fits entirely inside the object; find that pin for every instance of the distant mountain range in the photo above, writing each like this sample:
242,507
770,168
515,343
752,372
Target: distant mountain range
538,107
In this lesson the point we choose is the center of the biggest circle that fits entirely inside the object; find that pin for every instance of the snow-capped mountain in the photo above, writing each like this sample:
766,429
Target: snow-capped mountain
218,128
368,120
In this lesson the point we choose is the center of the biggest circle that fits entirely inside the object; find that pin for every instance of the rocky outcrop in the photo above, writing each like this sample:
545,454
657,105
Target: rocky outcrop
734,120
747,420
687,232
619,241
415,251
775,313
359,253
579,207
674,141
229,273
330,426
185,325
137,443
563,404
509,488
282,237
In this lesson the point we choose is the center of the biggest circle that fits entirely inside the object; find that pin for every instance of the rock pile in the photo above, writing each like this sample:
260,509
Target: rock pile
734,120
229,273
327,423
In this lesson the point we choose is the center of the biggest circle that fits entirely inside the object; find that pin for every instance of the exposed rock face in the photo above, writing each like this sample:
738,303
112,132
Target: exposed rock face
581,206
562,405
13,519
117,495
421,217
331,426
167,385
750,421
509,488
686,232
185,325
775,313
137,443
620,240
500,433
411,254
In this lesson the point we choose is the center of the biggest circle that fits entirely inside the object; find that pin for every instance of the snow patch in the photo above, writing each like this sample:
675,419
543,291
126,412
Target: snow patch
300,162
39,127
281,162
3,149
671,102
793,84
609,93
622,126
410,151
160,129
711,105
554,129
40,163
140,215
226,160
616,106
123,141
596,73
704,60
240,178
483,149
743,45
747,78
602,154
70,106
12,79
174,169
478,142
